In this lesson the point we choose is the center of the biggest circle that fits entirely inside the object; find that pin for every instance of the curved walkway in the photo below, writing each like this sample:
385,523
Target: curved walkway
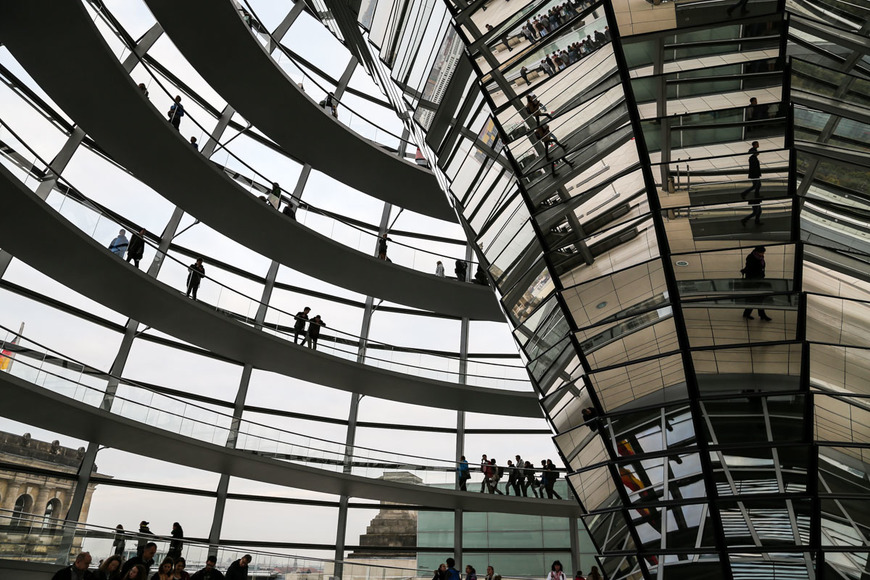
91,86
88,268
214,39
45,409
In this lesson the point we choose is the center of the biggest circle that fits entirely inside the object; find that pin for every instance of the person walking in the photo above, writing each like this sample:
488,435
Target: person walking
484,468
314,326
513,481
195,273
119,542
136,248
529,471
754,172
439,269
176,544
463,473
552,476
119,245
194,144
495,476
754,270
299,325
176,112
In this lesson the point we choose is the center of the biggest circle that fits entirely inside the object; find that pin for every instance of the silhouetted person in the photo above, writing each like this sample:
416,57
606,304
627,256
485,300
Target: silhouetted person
195,273
382,247
144,532
754,270
552,476
439,269
756,112
299,325
176,112
524,72
289,211
119,542
238,570
754,172
136,248
119,245
529,473
460,270
513,481
480,275
590,416
144,89
176,544
314,326
194,144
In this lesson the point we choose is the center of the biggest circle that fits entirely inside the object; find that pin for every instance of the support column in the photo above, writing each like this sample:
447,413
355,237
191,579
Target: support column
238,408
460,425
575,546
345,77
55,168
353,413
282,29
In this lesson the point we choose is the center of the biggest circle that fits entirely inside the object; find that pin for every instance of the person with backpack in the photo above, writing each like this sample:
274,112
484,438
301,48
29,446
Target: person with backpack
530,481
513,481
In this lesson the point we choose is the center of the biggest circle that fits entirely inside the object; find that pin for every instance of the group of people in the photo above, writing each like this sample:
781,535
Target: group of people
559,60
542,25
536,110
461,271
448,571
140,568
309,336
521,476
134,248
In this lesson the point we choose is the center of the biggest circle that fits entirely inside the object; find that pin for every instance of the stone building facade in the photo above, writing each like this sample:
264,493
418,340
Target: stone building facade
25,496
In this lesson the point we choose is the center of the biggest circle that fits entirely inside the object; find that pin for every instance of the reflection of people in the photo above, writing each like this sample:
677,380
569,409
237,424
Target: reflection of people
589,417
754,175
741,4
754,270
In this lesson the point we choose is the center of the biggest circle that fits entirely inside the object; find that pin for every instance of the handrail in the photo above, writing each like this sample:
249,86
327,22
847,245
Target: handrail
254,301
286,52
196,550
237,431
294,201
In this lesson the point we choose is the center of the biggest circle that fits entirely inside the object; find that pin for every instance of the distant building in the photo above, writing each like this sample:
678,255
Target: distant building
24,495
